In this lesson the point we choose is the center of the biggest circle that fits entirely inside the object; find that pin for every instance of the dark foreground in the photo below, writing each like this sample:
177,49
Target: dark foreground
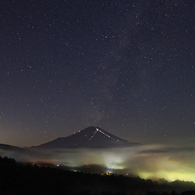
21,179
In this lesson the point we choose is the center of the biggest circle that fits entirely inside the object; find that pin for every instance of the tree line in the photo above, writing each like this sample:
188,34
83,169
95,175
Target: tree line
18,178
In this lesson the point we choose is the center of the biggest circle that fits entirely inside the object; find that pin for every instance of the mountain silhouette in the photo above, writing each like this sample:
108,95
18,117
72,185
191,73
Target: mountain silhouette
91,137
10,147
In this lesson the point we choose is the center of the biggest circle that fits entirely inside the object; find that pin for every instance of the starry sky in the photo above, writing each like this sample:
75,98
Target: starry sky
126,66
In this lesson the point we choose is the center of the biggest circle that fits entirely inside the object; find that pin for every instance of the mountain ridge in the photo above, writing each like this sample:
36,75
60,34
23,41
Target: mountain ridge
10,147
90,137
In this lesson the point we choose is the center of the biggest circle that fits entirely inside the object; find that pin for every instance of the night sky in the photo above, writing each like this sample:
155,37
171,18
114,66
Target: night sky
126,66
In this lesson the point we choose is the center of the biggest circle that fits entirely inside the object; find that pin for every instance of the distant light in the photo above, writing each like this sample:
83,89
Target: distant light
109,171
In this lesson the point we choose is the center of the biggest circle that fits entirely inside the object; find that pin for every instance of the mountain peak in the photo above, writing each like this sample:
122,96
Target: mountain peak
90,137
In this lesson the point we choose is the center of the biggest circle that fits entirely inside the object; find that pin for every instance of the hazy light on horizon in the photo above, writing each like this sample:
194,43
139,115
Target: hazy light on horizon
152,161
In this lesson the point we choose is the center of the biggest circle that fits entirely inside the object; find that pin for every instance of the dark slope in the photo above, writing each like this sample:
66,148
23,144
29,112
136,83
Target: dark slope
9,147
19,179
91,137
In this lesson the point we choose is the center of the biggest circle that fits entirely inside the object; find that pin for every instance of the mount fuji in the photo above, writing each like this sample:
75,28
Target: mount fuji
91,137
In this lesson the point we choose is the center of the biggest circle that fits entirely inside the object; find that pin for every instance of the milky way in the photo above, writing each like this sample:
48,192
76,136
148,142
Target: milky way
126,66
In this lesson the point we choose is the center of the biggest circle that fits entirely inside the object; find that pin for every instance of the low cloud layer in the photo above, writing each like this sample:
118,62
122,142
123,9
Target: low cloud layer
152,161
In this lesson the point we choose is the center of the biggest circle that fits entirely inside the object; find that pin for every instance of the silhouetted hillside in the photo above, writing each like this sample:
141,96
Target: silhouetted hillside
9,147
26,179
